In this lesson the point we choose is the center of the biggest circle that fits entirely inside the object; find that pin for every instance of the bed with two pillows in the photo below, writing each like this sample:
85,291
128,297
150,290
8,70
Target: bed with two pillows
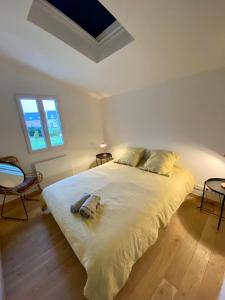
139,193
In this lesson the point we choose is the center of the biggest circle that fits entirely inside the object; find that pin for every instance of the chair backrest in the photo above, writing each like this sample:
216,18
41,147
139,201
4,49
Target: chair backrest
10,159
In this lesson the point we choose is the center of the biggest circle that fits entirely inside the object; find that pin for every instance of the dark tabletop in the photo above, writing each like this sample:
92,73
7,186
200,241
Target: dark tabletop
104,155
215,185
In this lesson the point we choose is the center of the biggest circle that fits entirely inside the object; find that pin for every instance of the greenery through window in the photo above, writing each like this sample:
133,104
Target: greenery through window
41,122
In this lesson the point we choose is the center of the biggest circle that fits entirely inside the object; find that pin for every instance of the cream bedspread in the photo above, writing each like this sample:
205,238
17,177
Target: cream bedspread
134,205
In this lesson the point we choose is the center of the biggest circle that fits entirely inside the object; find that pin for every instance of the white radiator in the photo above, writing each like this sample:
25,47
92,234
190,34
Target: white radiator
54,169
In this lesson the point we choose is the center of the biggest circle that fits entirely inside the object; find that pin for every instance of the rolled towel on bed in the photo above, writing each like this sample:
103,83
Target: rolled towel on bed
89,208
74,208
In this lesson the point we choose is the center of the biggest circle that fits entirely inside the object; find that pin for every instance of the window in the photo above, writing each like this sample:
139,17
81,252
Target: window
41,122
85,25
91,15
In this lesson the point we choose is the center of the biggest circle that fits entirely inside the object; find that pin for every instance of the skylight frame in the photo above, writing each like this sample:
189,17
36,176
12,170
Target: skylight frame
91,15
52,20
55,12
103,36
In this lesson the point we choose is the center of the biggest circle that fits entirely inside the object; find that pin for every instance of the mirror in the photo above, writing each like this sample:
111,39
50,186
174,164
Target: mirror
10,175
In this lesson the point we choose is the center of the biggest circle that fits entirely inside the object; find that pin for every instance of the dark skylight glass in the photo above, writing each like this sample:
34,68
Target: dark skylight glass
91,15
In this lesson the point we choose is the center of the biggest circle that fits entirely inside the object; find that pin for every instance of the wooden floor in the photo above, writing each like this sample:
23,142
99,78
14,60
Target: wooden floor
187,261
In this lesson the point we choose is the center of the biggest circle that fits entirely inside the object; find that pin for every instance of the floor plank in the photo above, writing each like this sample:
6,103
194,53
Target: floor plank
186,262
196,269
214,273
222,291
165,291
189,221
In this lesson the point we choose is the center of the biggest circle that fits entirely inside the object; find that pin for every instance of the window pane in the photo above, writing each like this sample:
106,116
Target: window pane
33,124
53,122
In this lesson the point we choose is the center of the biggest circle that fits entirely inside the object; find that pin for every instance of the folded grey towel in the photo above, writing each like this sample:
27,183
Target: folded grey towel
77,205
89,208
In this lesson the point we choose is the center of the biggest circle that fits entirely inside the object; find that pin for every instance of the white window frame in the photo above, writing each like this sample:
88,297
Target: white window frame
43,120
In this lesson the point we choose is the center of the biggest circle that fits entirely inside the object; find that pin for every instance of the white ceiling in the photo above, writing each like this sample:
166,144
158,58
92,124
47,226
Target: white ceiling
173,39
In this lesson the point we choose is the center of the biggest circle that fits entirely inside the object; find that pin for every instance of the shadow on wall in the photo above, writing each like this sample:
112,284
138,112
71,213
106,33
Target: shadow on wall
185,115
201,161
92,165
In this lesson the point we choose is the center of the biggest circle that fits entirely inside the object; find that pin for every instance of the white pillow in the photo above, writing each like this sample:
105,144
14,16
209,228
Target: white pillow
131,157
161,162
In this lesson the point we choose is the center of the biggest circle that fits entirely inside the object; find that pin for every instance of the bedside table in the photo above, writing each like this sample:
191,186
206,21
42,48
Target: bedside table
101,157
214,184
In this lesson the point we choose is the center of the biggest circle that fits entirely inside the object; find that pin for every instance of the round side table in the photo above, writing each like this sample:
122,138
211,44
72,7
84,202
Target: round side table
103,157
214,184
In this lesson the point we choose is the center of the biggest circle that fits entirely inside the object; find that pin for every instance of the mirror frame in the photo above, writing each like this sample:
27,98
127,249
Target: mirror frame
8,163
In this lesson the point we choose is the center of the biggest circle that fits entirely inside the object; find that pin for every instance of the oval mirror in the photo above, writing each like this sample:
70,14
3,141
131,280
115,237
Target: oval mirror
10,175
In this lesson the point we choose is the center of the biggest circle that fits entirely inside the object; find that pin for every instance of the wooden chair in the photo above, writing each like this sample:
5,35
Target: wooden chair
31,180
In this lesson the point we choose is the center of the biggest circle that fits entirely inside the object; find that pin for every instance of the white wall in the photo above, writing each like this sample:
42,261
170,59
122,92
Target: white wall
80,114
186,115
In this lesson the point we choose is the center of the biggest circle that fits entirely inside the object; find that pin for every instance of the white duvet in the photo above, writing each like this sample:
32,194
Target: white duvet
134,205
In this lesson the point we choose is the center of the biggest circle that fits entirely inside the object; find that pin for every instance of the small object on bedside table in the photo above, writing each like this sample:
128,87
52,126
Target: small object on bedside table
223,185
215,185
103,157
103,146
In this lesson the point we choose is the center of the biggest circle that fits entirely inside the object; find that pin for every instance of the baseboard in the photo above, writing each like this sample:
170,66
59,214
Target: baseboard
198,187
198,190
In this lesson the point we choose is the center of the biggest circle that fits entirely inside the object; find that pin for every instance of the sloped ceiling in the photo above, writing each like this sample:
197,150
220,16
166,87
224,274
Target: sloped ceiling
173,39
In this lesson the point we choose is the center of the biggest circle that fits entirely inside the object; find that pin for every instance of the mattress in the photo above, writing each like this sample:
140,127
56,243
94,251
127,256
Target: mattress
134,205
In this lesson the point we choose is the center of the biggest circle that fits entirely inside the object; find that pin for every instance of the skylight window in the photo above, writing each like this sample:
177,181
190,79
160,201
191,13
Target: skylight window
91,15
85,25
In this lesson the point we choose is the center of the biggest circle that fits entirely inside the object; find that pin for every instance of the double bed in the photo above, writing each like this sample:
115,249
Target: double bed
134,205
